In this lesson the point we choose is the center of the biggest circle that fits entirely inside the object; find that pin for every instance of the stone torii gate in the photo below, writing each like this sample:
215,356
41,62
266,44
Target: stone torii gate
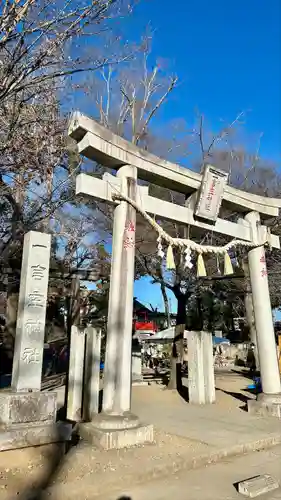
101,145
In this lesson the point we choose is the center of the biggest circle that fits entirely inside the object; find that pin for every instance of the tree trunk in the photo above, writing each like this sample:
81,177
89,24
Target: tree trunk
11,322
166,304
250,313
49,190
175,381
73,313
250,317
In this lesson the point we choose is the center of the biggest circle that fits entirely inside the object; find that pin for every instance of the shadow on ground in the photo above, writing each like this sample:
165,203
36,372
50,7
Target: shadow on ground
246,373
239,396
54,458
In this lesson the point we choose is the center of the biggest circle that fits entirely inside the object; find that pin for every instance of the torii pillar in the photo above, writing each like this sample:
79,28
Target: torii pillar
116,426
269,401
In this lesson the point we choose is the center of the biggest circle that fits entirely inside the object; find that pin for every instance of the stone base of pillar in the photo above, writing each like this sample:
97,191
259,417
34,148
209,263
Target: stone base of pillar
116,431
266,405
35,434
29,419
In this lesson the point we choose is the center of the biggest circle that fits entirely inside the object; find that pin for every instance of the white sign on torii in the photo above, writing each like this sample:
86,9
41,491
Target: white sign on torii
101,145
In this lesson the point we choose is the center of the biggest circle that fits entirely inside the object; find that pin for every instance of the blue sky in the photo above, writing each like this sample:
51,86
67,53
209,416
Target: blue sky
227,56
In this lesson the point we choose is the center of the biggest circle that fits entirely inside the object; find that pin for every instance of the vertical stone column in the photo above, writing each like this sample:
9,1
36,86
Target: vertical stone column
263,314
209,372
116,426
27,415
117,371
196,384
75,374
30,330
92,373
136,362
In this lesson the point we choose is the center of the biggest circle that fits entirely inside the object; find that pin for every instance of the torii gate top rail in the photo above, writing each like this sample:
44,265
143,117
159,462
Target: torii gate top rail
100,144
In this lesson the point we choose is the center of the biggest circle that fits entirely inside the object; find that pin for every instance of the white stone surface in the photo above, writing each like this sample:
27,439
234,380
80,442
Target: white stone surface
208,367
196,385
75,375
269,368
24,436
136,365
117,439
257,486
105,190
29,342
218,333
98,143
92,373
118,360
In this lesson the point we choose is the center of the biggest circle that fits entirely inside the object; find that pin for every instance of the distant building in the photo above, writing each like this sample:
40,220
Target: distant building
149,321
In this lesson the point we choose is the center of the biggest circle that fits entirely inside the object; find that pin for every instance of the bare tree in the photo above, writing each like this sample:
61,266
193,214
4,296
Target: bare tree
41,47
127,99
41,41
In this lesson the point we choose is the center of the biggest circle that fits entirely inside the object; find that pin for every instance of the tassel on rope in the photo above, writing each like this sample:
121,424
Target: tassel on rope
160,251
170,262
187,259
201,270
228,269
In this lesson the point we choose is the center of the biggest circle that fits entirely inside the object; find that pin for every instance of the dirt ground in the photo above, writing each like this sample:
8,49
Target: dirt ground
25,472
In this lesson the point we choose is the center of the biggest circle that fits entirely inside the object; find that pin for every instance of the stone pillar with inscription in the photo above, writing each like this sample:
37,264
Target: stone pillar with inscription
28,416
30,331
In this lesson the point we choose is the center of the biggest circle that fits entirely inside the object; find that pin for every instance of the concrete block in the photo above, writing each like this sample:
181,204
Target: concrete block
92,373
262,409
24,408
76,374
208,367
115,439
257,486
136,363
196,386
23,435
